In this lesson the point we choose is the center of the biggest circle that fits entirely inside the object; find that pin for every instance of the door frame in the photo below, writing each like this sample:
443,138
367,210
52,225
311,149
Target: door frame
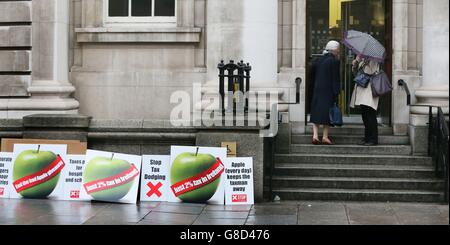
386,102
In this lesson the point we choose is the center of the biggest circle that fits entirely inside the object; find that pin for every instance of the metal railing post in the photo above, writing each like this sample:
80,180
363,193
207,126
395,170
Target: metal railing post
438,137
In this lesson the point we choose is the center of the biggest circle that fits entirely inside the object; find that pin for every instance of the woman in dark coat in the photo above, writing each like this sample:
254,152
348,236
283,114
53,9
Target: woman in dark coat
326,91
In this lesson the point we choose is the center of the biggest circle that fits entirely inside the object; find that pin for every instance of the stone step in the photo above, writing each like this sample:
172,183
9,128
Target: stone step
262,106
333,170
358,183
358,195
354,139
353,159
352,130
397,150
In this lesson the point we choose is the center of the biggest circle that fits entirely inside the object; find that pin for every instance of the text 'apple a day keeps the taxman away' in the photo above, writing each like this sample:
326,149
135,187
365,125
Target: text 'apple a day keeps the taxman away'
238,176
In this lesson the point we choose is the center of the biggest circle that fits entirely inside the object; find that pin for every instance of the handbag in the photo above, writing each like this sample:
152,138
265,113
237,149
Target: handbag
380,84
336,116
362,79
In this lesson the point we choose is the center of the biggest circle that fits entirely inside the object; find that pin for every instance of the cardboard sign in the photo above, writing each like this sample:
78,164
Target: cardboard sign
155,185
6,164
37,171
73,177
196,174
111,177
74,147
239,181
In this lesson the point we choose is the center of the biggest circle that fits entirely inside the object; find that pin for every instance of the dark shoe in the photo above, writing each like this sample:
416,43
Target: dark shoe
316,142
371,144
363,142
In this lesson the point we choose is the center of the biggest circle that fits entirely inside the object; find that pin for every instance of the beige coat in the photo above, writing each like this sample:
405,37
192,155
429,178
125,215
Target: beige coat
363,96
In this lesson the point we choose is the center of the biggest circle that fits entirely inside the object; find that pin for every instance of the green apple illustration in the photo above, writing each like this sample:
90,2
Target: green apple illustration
187,165
104,167
30,162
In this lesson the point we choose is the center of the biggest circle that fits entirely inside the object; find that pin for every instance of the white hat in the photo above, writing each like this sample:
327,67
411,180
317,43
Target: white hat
332,45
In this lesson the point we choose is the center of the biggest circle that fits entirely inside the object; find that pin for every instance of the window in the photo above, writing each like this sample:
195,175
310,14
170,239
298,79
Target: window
141,11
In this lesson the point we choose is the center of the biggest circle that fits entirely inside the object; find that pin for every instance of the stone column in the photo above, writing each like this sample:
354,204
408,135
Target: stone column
243,30
247,30
50,87
434,89
435,84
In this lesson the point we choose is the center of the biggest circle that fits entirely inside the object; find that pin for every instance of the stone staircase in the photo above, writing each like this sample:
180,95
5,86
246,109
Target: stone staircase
348,172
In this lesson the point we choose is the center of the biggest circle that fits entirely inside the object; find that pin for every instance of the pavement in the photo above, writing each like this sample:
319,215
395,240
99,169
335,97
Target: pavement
48,212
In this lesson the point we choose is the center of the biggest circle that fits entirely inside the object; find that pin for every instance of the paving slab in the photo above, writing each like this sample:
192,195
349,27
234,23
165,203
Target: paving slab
319,213
409,218
180,209
371,214
14,220
234,208
426,214
51,212
224,214
159,218
149,205
58,220
106,221
183,204
274,210
444,210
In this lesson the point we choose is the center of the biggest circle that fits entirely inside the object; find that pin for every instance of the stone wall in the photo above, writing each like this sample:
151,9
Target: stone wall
130,72
407,58
15,49
138,62
292,57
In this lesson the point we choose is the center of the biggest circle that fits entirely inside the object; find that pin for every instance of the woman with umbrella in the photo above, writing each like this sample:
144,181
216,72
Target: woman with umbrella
370,53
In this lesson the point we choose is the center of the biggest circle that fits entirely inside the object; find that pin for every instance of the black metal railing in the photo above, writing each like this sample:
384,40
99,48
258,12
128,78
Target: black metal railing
438,137
439,147
271,141
238,80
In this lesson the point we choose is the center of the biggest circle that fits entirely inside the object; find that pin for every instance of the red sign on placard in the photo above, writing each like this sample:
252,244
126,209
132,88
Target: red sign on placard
75,194
113,181
2,191
40,177
154,189
239,198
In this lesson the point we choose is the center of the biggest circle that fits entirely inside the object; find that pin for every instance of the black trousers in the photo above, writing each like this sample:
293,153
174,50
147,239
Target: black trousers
369,116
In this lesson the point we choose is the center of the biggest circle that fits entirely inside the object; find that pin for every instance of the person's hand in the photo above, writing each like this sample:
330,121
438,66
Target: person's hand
355,62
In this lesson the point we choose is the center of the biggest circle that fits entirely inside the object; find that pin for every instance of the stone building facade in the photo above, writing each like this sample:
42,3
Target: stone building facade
69,56
77,56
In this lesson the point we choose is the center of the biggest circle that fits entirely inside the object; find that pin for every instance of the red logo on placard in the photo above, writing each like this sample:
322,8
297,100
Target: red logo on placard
239,198
2,191
74,194
154,189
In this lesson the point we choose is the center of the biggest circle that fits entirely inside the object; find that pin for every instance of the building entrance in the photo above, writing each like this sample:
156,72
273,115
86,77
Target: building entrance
328,20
